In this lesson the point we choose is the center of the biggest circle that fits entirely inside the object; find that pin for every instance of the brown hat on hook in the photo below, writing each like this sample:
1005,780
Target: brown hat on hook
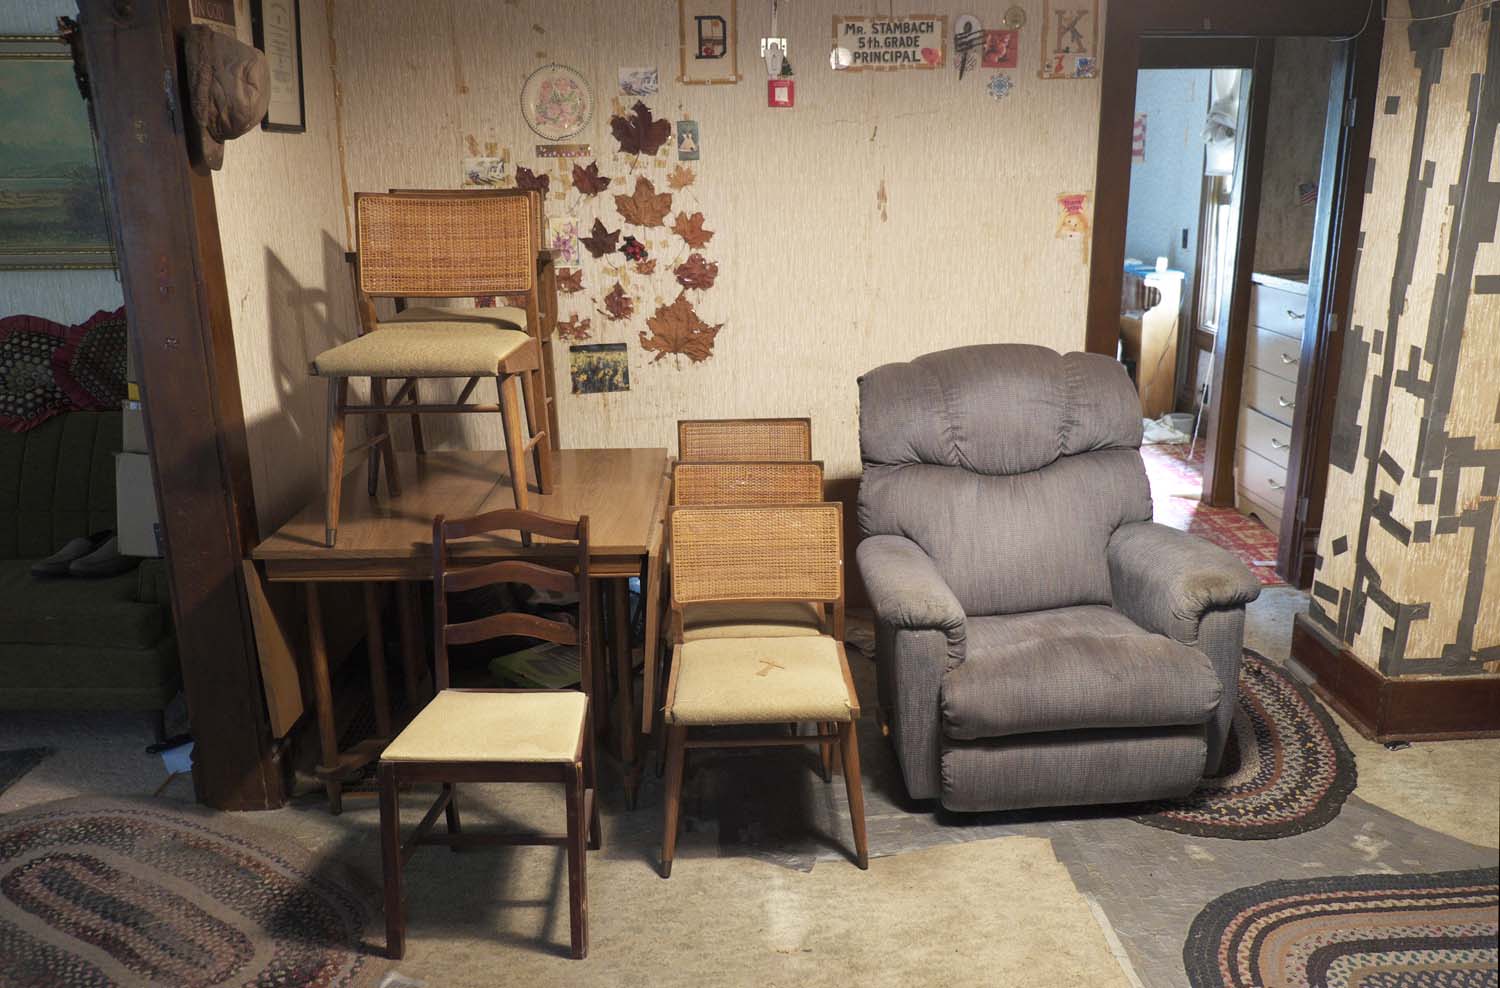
228,89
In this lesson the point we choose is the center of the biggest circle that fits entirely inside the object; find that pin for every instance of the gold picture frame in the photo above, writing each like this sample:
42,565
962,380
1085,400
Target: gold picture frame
53,210
708,35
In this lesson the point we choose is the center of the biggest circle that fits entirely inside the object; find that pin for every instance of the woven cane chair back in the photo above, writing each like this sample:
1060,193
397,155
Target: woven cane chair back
739,440
703,482
770,552
429,245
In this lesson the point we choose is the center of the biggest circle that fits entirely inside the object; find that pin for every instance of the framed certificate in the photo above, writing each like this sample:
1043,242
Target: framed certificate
278,33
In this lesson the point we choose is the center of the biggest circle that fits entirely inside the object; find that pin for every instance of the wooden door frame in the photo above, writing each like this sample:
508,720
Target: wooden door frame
177,303
1129,29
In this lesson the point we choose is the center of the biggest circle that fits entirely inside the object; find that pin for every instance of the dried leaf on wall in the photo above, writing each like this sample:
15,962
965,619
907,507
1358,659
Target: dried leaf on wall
640,133
644,207
601,241
648,266
697,272
617,304
677,329
588,180
570,280
573,328
527,179
681,177
690,229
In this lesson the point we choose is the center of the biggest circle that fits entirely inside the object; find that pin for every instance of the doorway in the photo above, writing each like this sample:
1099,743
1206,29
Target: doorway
1238,149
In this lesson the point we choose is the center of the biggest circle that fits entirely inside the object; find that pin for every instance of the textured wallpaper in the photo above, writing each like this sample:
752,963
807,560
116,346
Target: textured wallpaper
1408,573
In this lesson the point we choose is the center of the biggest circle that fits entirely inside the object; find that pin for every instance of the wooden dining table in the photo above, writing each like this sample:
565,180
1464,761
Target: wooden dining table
385,540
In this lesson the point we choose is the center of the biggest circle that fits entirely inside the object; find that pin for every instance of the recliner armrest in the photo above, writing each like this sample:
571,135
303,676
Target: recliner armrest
1165,580
906,589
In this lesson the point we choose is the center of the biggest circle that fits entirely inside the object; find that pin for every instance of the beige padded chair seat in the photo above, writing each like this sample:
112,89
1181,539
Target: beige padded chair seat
459,726
500,317
760,681
423,350
763,620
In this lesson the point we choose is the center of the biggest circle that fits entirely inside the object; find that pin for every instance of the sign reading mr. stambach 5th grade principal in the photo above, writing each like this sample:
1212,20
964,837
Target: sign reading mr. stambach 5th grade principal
913,41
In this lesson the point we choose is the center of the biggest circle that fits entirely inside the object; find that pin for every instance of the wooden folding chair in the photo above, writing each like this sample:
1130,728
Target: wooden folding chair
498,735
441,246
769,554
731,440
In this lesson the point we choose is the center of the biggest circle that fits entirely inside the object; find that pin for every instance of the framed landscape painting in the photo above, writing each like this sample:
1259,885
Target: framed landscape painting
52,204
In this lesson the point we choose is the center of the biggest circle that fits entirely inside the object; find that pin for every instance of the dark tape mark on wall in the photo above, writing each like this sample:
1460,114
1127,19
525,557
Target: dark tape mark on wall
1343,443
1487,284
1422,531
1324,592
1384,504
1391,467
1410,378
1392,105
1340,545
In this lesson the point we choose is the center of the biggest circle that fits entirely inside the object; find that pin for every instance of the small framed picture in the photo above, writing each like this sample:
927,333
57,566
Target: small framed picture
278,33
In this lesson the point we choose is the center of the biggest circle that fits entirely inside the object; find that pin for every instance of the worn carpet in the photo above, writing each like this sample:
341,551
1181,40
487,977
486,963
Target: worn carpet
14,764
1287,769
1176,489
137,893
1365,931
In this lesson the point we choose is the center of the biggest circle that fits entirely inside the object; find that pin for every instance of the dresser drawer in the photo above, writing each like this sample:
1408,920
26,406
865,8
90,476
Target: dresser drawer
1247,505
1265,436
1268,393
1259,479
1279,311
1273,353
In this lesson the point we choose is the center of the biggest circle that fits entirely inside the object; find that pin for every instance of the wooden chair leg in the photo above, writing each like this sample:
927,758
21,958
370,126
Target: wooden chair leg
536,422
620,649
676,748
338,394
413,651
390,855
384,450
591,779
849,749
515,445
825,752
375,647
455,827
418,443
578,888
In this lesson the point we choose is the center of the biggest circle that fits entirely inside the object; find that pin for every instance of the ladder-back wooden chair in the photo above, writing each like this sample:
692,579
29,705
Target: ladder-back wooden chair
490,735
743,440
430,246
764,554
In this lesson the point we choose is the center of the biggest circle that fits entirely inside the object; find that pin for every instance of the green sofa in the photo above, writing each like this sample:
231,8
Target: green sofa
75,644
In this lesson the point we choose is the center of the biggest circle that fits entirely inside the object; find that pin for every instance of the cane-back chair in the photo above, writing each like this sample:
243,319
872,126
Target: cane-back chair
732,440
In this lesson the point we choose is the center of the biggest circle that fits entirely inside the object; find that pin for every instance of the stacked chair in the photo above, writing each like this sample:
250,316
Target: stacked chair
756,605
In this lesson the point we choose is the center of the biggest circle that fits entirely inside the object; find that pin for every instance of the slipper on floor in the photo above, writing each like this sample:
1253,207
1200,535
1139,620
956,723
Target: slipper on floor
57,564
103,561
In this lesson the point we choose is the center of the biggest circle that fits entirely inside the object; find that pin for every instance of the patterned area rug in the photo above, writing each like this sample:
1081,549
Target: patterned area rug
14,764
1177,485
1364,931
1287,769
102,893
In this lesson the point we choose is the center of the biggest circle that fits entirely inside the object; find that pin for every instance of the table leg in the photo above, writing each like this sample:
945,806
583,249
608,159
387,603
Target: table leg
413,654
619,616
323,692
380,695
600,698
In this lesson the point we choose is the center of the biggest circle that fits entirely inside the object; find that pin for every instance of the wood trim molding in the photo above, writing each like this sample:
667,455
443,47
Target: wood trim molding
1427,708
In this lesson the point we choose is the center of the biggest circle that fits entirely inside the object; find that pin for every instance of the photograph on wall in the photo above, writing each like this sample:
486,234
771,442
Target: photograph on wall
640,81
53,212
687,140
278,33
708,34
912,41
1070,40
484,173
562,239
1001,49
599,368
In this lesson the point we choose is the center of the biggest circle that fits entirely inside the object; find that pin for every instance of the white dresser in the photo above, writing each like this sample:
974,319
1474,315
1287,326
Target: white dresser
1278,308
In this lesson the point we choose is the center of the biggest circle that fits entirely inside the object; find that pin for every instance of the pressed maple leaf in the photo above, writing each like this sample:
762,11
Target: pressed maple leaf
681,177
697,272
640,132
527,179
648,266
574,328
570,280
601,241
617,304
677,329
690,229
588,180
645,206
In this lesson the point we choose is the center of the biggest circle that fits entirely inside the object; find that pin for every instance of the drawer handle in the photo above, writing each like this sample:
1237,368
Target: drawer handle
1287,360
1284,403
1278,445
1296,315
1273,485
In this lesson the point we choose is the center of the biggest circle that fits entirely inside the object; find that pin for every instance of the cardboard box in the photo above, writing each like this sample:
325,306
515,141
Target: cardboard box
136,521
133,427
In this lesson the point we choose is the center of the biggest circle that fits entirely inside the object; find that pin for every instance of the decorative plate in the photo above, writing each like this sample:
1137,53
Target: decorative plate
556,102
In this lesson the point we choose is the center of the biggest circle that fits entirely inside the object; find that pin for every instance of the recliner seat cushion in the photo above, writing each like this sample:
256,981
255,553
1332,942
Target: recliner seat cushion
1078,682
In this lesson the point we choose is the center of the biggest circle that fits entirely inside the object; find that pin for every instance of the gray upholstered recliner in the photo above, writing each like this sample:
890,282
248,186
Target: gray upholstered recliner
1040,641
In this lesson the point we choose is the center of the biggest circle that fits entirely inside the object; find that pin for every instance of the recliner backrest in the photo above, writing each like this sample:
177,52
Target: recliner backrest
1010,465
